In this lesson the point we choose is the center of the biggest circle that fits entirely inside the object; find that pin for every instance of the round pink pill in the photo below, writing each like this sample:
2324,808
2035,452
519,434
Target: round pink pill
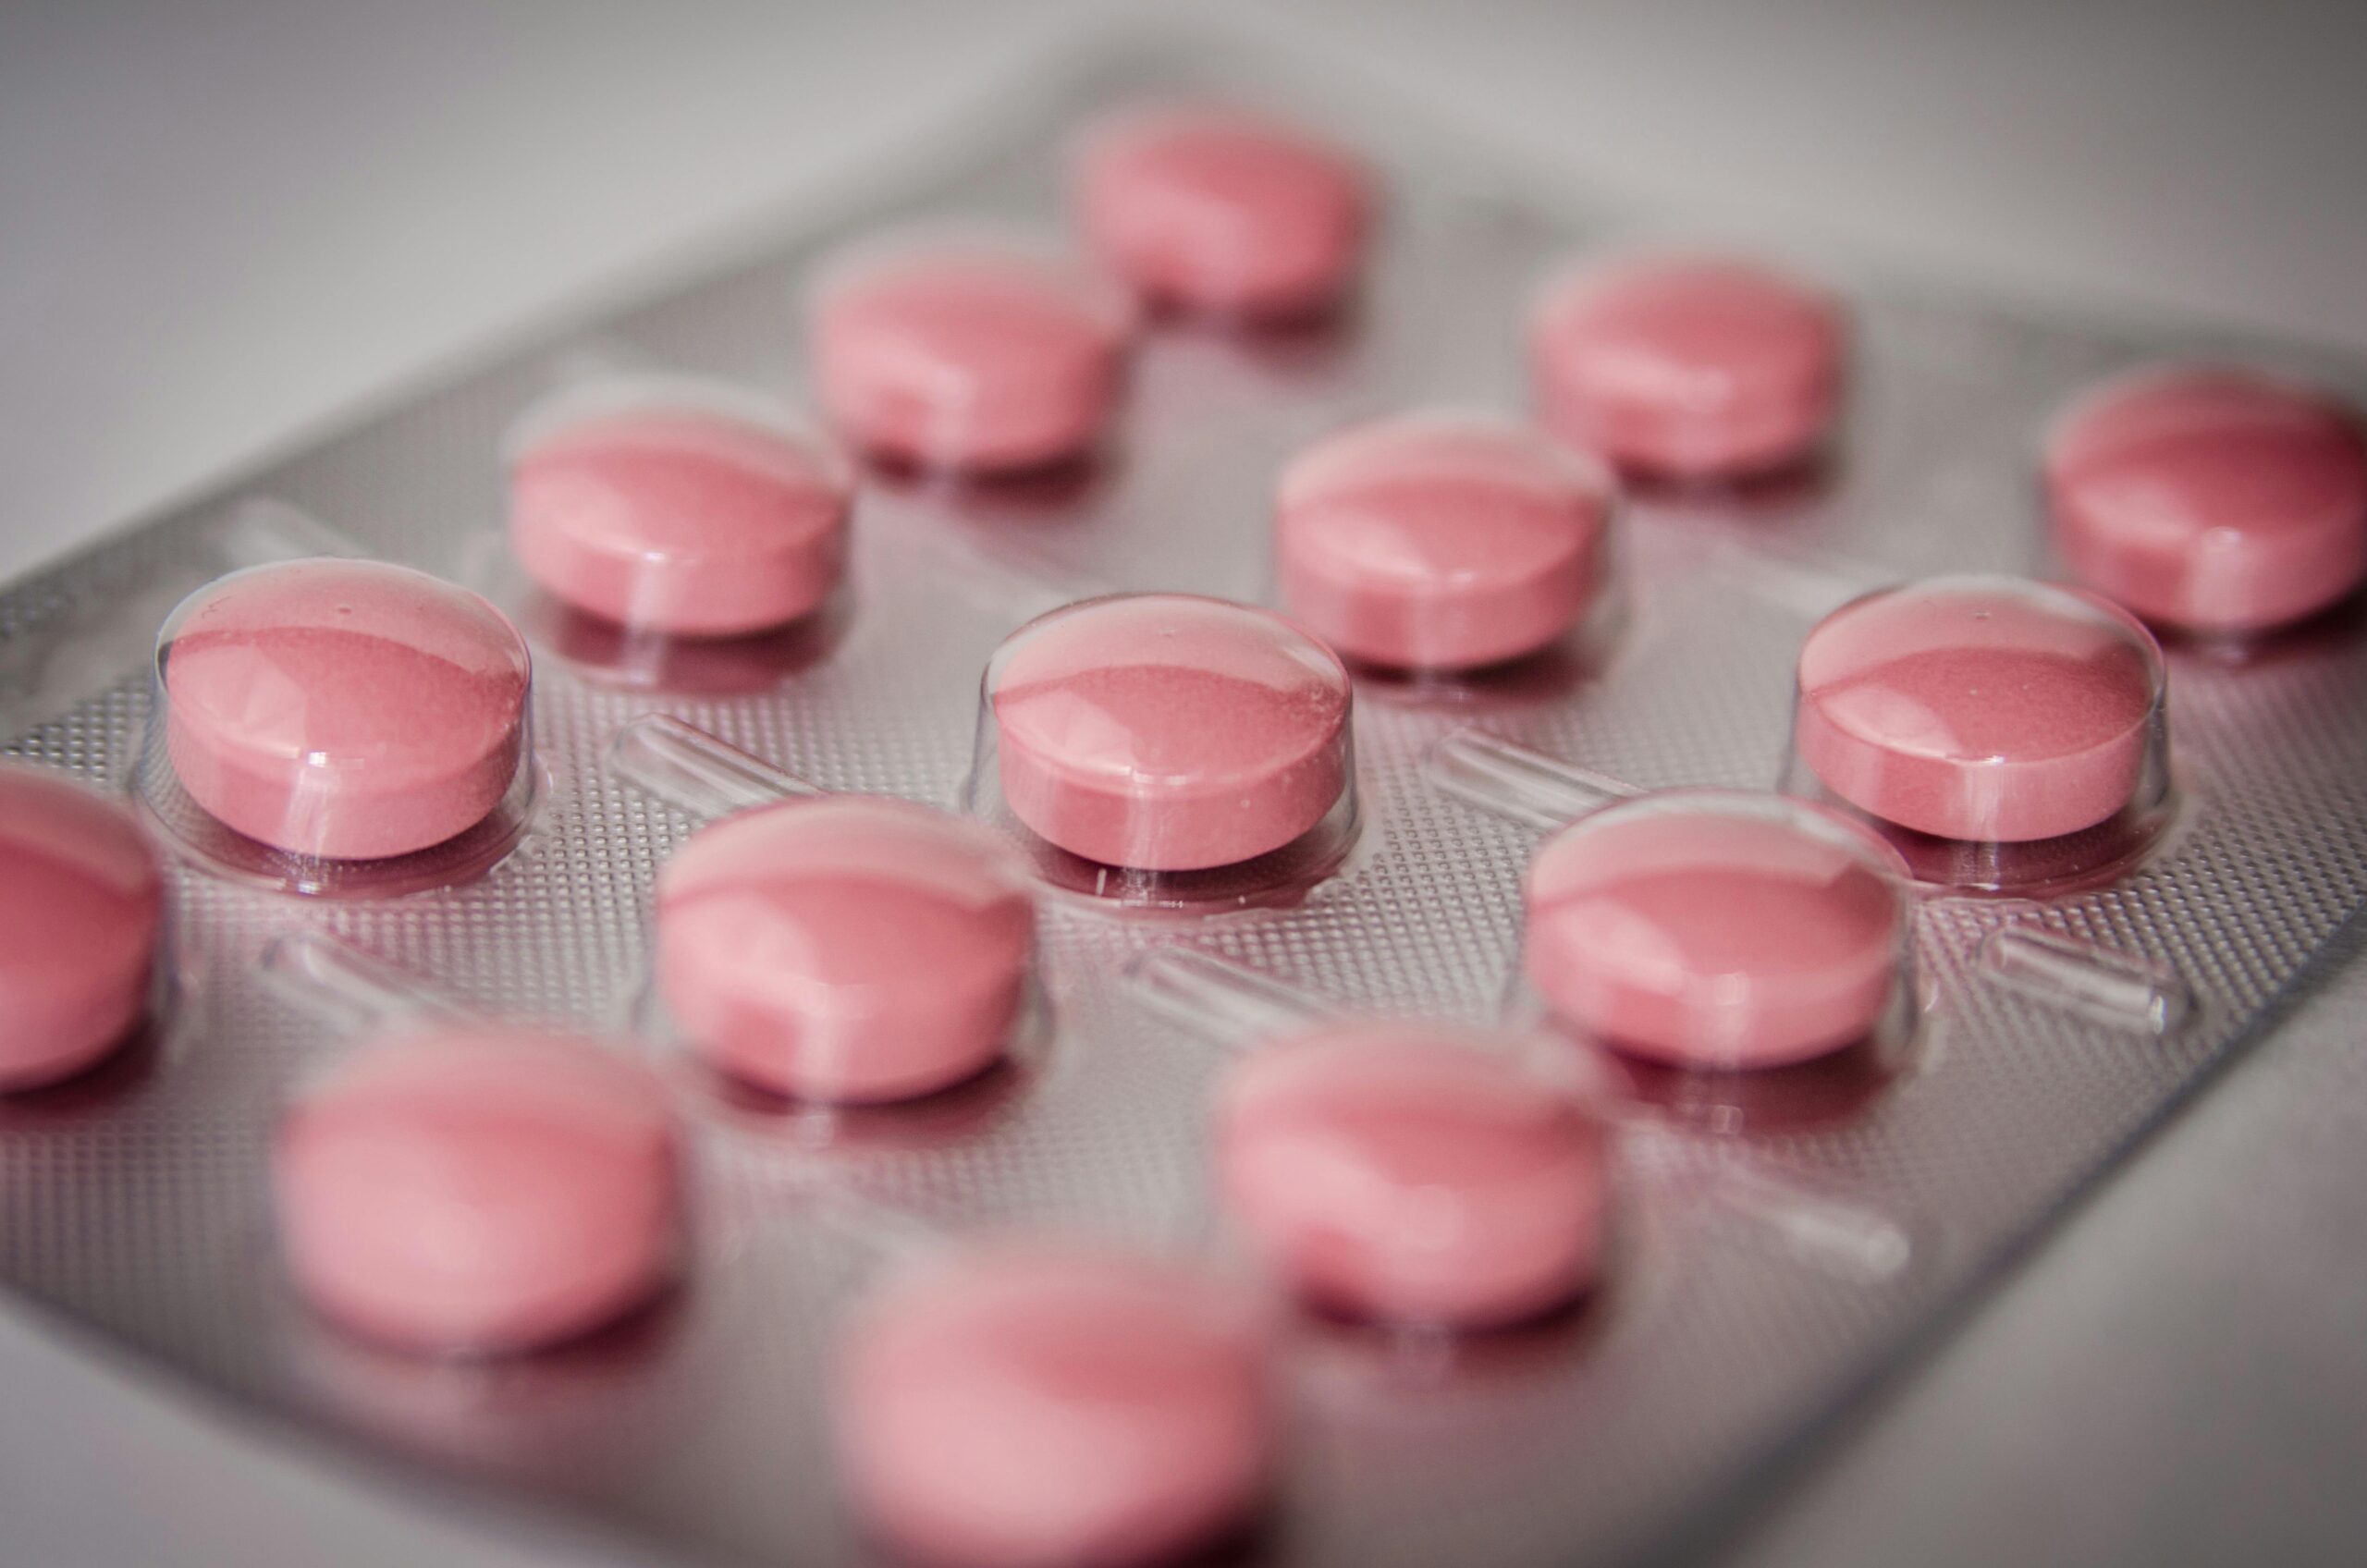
481,1189
1984,708
81,905
845,949
1405,1172
1438,542
2210,500
1036,1409
683,522
1218,210
974,357
1717,929
1168,732
1689,369
348,709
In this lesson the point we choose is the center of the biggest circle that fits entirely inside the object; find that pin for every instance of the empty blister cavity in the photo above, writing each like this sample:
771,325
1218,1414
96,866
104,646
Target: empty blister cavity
1414,1173
81,928
1217,211
2120,990
1169,749
677,508
830,949
1441,542
2211,499
1719,930
1055,1406
333,726
977,352
1688,368
2000,733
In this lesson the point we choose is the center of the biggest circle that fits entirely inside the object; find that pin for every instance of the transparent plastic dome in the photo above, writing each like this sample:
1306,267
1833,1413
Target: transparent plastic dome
1999,733
1169,749
338,725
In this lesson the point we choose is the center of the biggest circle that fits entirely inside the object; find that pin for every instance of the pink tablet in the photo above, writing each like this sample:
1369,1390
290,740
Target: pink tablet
685,522
845,948
1717,929
2212,499
81,905
1168,732
1688,368
1054,1409
480,1189
980,357
1220,211
1409,1171
349,709
1984,708
1439,541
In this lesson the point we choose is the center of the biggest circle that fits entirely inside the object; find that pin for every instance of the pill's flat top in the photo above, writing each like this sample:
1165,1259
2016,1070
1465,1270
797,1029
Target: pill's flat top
80,906
1221,209
1026,1407
1684,330
683,485
1169,691
968,355
1688,367
682,522
480,1187
1440,541
1442,503
337,663
1007,311
1716,930
846,947
2212,497
1407,1169
1981,670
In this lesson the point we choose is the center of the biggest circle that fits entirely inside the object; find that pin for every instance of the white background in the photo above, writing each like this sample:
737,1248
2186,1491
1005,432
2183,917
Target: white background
221,223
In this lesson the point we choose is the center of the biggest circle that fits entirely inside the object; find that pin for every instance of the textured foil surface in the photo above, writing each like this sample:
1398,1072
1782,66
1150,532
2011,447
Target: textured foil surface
1772,1262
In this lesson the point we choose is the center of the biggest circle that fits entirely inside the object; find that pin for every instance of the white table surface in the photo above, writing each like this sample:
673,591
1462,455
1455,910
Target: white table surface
220,225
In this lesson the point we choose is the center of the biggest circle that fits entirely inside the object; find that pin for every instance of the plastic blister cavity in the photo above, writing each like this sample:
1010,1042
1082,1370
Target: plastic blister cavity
1441,542
1218,212
1056,1405
830,949
81,928
1732,959
339,726
1166,749
1720,930
1415,1173
976,350
1688,368
675,508
2211,499
455,1186
2001,734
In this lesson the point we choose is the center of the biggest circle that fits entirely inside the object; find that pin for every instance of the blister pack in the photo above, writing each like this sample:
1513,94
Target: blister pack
1219,829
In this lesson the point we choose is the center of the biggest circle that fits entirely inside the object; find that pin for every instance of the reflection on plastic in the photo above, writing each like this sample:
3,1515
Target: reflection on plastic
1517,783
695,772
1217,998
2115,988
